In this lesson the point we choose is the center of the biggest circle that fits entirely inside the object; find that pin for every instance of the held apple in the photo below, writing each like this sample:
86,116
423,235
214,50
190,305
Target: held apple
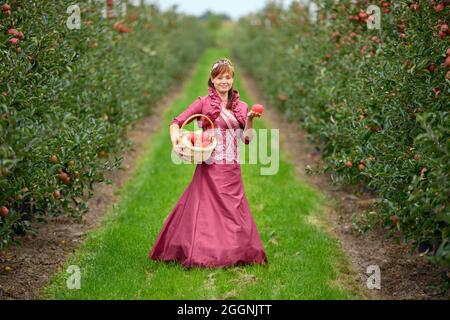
258,108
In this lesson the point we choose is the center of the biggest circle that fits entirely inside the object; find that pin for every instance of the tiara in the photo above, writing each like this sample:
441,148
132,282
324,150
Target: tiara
223,61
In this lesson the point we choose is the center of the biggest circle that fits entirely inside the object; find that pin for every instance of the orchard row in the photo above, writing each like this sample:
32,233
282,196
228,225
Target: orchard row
375,101
68,97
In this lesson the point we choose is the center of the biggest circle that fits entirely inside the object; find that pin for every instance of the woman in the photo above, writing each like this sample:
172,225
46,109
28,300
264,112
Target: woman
211,225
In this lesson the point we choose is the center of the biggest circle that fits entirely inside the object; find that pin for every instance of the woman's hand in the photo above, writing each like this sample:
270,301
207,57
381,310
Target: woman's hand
175,143
175,135
253,114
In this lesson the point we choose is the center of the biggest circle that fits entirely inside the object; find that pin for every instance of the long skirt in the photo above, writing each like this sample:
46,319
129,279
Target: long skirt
211,224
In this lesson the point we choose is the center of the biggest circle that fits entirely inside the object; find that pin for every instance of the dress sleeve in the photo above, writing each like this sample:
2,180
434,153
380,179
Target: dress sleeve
195,107
245,111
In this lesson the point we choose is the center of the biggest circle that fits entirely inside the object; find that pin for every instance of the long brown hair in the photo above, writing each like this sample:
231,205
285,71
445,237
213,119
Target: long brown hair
222,66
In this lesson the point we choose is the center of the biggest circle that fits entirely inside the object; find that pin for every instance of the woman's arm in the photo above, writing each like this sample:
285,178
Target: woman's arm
247,134
174,133
195,107
175,125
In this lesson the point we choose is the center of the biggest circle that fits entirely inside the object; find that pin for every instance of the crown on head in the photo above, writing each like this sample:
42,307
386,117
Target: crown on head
221,61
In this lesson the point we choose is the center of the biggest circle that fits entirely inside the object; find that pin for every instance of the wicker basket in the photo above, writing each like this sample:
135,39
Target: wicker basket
194,154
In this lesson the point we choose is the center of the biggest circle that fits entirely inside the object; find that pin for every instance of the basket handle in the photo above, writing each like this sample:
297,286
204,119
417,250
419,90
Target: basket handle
195,116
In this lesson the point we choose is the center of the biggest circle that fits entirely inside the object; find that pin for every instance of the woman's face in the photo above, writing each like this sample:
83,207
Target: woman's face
223,82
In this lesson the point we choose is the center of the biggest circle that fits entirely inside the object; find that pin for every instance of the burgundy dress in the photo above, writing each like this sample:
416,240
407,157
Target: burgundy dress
211,225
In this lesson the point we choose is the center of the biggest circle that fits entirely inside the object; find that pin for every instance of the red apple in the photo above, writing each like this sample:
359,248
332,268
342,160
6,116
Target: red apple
414,6
196,138
206,137
447,62
4,211
13,32
439,7
63,176
362,16
205,143
13,40
258,108
198,141
6,7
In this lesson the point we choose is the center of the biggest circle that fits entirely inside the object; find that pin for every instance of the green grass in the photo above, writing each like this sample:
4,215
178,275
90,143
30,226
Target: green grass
304,261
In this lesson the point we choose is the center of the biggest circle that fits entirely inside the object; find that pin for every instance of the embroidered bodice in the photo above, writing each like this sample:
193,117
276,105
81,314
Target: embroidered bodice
228,133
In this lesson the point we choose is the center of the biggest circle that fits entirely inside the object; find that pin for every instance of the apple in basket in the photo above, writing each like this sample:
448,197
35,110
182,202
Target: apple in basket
206,139
196,138
192,138
258,108
199,138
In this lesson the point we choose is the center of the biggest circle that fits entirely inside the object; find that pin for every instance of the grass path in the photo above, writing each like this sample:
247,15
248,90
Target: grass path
304,261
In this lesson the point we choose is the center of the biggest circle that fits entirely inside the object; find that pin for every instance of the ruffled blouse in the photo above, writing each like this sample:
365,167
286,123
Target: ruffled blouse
216,108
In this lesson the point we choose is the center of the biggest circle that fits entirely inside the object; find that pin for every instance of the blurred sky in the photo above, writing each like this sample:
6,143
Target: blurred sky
234,8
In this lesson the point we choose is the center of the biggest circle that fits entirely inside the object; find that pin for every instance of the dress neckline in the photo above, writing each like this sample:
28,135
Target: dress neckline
224,106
